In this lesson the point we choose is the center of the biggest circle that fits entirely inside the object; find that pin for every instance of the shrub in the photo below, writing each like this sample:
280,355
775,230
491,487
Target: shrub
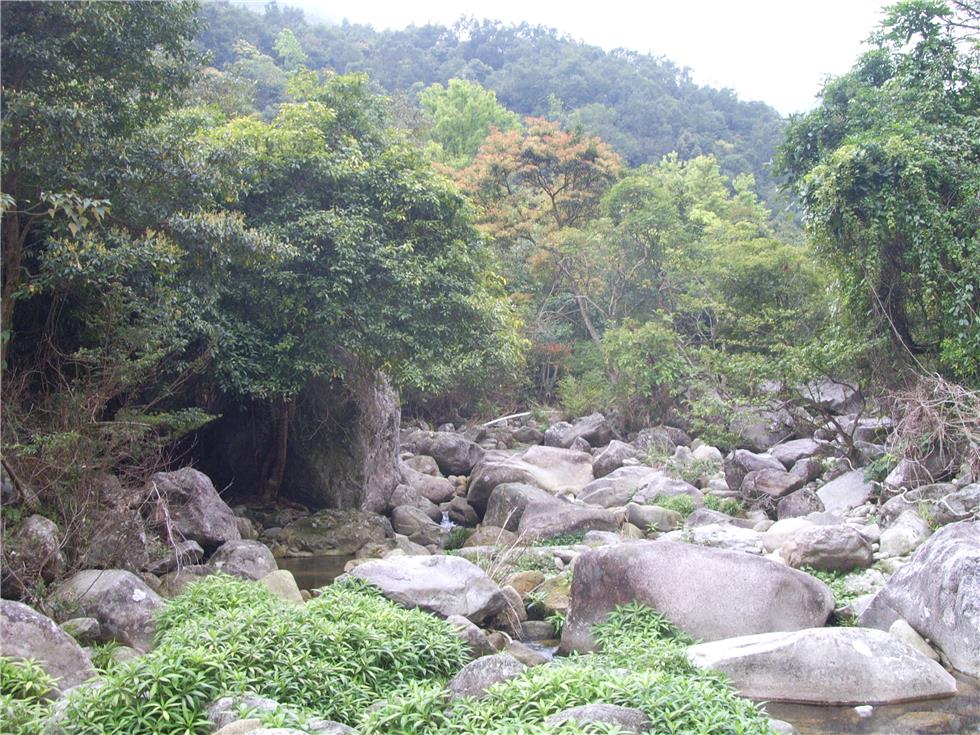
23,688
683,504
333,656
728,506
641,665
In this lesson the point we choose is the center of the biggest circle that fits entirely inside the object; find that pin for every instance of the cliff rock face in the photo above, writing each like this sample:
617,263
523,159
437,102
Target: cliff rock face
342,448
343,445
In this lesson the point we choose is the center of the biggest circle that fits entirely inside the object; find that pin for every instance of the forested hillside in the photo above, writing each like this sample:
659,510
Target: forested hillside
642,105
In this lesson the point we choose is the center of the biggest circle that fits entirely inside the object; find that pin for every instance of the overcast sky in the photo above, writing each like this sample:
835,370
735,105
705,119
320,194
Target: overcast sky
778,51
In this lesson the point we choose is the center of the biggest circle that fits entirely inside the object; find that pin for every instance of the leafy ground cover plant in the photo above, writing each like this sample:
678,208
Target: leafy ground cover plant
333,656
642,664
23,688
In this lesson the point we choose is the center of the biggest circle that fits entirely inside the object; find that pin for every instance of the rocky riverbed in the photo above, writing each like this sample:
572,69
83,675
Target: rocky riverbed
807,584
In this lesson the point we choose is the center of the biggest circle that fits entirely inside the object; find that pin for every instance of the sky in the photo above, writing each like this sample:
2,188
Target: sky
777,51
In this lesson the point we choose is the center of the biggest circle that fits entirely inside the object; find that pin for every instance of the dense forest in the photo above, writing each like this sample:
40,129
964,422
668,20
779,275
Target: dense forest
642,105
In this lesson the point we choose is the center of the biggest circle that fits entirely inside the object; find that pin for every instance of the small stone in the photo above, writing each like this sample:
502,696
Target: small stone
864,710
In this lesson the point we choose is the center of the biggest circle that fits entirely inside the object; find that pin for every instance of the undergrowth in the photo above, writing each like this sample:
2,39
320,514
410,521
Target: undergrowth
23,689
334,656
642,665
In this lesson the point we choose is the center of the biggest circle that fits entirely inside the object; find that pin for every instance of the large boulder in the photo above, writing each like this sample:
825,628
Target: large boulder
245,559
443,585
415,524
619,486
555,516
799,503
833,397
594,429
826,666
340,532
835,548
122,603
789,453
846,492
613,457
408,495
436,489
34,551
187,501
741,462
661,439
769,483
454,453
760,427
904,535
474,678
29,635
710,593
938,593
549,468
508,501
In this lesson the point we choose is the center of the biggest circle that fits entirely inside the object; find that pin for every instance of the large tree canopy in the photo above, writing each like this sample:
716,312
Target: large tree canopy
888,169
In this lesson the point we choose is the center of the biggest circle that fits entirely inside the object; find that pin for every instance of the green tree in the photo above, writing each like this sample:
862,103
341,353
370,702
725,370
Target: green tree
289,50
888,170
463,113
78,80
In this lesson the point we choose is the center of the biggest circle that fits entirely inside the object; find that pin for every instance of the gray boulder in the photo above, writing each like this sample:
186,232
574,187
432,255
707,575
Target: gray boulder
434,488
938,593
245,559
845,492
661,439
122,603
36,549
461,513
710,593
760,427
474,678
555,516
613,457
722,536
662,486
837,548
836,398
907,533
594,429
415,524
425,464
799,503
625,719
182,554
407,495
29,635
791,452
741,462
826,666
549,468
508,501
454,453
653,517
769,482
443,585
187,500
332,531
619,486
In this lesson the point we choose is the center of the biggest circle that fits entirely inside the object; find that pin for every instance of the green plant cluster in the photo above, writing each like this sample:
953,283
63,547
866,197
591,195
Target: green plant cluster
334,656
642,665
24,687
729,506
683,504
562,539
